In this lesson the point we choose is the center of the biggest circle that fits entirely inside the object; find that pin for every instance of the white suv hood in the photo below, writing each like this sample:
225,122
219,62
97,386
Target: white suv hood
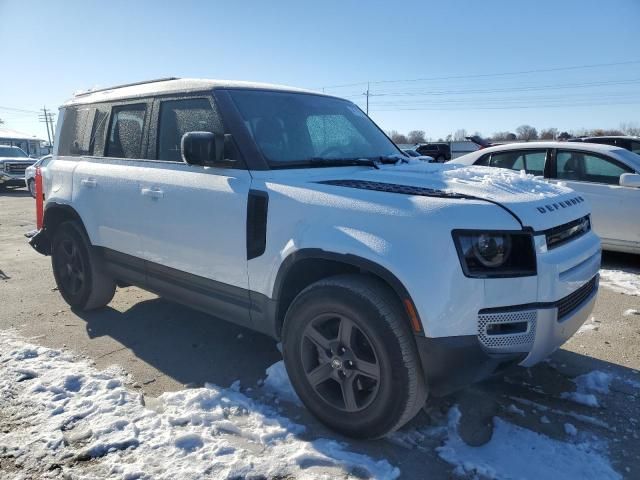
536,203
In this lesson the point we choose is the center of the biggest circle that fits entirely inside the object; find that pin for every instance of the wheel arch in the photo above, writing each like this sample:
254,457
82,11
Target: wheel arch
306,266
54,214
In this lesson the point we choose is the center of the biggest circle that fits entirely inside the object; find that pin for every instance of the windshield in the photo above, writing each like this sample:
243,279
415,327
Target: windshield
292,129
12,152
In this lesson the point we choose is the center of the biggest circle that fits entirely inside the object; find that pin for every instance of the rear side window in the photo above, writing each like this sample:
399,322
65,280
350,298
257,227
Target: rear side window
178,117
531,161
635,147
125,131
585,167
80,128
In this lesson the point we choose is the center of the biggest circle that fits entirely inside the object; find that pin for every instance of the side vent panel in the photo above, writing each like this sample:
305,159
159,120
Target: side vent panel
257,208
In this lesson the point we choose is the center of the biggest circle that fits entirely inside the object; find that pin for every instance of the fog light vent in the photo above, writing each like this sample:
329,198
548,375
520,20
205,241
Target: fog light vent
507,331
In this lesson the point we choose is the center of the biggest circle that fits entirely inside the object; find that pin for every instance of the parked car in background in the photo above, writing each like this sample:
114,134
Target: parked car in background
413,154
627,142
607,176
13,163
30,174
441,152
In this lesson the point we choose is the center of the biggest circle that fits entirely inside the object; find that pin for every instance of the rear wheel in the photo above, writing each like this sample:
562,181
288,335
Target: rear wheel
78,270
351,356
440,159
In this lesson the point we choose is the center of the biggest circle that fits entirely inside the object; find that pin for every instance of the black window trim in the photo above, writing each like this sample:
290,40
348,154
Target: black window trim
553,171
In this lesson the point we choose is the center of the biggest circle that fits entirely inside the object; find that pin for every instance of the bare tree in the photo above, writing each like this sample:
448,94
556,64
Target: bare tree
1,121
397,137
604,132
564,136
630,128
548,133
416,136
501,136
526,133
459,135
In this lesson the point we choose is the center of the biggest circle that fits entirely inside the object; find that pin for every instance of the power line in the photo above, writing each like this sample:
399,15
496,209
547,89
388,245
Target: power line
11,109
489,75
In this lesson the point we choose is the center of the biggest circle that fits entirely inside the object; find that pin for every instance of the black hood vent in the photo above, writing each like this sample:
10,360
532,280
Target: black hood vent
393,188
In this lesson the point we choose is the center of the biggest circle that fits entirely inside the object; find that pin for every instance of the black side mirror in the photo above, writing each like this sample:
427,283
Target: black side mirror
202,148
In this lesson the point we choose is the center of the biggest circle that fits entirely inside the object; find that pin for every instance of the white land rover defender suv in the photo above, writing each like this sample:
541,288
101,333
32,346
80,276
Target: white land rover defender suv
291,213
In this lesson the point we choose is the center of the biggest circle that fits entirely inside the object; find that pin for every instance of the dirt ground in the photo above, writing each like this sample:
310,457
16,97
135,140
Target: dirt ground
166,347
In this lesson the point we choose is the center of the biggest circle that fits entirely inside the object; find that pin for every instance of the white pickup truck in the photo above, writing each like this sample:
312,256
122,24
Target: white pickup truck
291,213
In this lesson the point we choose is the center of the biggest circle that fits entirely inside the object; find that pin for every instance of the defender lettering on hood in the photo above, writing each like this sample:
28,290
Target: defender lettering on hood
563,204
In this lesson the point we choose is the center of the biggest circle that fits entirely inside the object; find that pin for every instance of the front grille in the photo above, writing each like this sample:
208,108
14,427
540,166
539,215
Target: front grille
15,168
523,322
572,301
562,234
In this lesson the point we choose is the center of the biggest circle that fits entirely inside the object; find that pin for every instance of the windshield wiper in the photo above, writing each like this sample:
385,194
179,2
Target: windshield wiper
339,162
393,159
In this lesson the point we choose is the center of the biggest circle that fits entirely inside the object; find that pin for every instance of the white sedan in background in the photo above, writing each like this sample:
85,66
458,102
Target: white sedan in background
607,176
413,154
30,174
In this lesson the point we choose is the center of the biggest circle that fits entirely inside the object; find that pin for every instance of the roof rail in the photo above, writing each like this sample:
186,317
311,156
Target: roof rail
88,92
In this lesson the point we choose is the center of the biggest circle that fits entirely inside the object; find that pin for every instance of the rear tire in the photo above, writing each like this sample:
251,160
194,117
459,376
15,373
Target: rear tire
351,356
440,159
78,270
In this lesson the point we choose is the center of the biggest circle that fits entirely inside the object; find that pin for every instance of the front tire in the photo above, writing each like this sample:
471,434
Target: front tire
351,357
78,270
32,188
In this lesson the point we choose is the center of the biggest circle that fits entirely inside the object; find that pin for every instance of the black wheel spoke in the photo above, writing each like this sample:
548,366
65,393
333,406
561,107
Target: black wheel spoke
367,369
345,332
320,374
317,338
349,394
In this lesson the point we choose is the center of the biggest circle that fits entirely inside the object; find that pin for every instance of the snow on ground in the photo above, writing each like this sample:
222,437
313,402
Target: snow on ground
587,326
56,409
278,383
515,452
621,281
587,385
631,311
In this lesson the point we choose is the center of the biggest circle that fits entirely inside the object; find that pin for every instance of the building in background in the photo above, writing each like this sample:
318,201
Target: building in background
31,144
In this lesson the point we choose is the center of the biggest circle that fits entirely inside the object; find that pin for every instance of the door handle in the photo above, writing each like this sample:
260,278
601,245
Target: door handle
151,192
88,182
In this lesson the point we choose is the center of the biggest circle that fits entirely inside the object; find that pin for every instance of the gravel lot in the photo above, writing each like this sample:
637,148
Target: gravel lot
168,347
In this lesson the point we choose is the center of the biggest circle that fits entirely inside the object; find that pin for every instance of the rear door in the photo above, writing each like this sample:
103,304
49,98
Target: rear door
597,178
106,183
194,234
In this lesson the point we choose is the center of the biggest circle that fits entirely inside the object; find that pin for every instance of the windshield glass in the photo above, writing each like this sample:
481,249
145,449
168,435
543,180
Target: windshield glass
292,129
12,152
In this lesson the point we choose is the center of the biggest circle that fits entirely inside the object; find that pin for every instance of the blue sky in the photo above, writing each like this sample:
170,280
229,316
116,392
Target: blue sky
51,49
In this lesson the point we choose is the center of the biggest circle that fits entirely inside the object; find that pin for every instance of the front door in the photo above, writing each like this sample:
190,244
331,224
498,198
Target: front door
597,178
194,238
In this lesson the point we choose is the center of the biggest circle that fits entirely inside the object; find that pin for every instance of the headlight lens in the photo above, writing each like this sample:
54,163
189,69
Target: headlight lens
486,254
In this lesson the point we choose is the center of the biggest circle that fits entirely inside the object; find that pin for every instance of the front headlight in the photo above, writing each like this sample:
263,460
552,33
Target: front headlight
486,254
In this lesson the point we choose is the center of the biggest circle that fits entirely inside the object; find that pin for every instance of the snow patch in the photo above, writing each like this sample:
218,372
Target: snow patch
588,384
68,410
587,399
278,383
621,281
515,452
631,311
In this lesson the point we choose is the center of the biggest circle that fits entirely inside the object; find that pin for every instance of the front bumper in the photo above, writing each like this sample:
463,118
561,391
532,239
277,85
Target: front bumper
12,180
533,332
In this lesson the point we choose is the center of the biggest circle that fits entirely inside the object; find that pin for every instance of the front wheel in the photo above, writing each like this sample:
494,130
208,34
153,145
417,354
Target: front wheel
32,188
351,357
78,270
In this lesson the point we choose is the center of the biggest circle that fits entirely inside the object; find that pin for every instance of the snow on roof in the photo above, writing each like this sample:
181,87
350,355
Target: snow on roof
15,135
593,147
171,86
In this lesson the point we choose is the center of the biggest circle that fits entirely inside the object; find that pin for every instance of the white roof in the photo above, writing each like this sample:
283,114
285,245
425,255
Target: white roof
15,135
171,86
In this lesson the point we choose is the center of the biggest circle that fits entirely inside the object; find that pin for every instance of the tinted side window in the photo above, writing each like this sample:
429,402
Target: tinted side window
534,162
635,147
80,125
511,159
125,131
588,168
178,117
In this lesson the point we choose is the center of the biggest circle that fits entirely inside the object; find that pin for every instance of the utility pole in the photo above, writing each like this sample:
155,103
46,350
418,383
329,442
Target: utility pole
367,94
45,118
